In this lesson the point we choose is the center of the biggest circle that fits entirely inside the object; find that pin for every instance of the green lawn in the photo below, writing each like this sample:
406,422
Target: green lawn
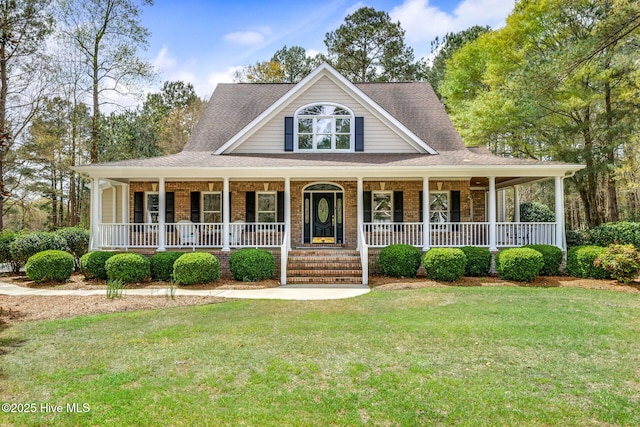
446,356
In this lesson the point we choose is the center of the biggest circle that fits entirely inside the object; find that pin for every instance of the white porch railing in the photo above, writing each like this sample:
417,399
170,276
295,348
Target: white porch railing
364,255
381,234
525,233
191,235
456,234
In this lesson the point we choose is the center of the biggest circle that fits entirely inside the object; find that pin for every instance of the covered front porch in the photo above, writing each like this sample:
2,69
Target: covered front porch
353,213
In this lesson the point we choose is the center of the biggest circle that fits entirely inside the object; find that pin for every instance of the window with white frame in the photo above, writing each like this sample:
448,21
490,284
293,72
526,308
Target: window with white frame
382,204
152,207
324,127
267,206
439,206
211,207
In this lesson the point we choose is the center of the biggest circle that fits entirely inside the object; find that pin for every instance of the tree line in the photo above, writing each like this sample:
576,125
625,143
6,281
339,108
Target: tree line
65,67
558,82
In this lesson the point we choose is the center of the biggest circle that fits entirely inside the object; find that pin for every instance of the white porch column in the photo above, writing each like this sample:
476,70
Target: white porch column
559,205
96,214
287,211
124,203
426,215
516,203
492,214
225,215
360,189
162,219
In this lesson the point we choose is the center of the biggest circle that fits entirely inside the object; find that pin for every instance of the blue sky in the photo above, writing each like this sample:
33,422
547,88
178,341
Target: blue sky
204,42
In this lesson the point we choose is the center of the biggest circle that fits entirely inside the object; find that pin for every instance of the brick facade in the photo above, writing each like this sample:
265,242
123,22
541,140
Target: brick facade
238,190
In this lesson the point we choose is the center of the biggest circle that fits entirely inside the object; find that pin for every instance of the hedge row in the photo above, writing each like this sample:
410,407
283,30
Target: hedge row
449,264
17,248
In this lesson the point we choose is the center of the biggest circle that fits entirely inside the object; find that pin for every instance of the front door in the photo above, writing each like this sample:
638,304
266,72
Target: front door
323,218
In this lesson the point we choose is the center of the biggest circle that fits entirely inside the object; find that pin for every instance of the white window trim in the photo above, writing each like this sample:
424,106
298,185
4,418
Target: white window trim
147,212
202,211
275,209
333,148
373,209
431,211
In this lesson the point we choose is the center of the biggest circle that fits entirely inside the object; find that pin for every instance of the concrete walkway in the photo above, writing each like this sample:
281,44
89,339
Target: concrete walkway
289,292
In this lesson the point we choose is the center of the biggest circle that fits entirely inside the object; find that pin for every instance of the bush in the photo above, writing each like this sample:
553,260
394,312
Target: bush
6,238
552,256
399,260
622,261
621,233
251,265
92,264
580,262
196,267
519,264
77,242
50,266
127,267
161,265
26,245
536,212
478,261
576,238
444,264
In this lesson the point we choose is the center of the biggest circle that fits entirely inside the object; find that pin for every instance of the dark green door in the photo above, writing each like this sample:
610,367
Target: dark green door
323,215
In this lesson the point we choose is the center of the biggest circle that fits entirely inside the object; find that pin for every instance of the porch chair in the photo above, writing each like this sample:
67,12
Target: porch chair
187,233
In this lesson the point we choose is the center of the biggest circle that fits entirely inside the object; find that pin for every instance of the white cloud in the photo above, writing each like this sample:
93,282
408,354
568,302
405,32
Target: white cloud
424,22
249,37
225,76
163,59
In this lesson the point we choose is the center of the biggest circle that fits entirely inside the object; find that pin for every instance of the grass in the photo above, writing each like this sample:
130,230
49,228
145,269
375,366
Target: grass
445,356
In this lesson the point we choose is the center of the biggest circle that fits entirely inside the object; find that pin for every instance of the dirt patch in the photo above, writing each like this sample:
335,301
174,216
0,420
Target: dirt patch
26,308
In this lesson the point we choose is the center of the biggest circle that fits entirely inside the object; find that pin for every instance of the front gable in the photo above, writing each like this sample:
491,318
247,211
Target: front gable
382,133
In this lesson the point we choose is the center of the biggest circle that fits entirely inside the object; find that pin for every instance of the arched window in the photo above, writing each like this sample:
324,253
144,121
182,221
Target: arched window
324,127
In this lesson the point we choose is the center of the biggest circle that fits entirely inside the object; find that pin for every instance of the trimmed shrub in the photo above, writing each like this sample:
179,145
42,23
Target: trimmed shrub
92,264
6,238
444,264
620,233
127,267
196,267
580,262
26,245
552,256
50,266
519,264
576,238
536,212
251,265
77,242
161,265
399,260
622,261
478,261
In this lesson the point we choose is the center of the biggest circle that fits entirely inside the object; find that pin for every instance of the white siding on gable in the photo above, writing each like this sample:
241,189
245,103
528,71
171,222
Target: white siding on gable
378,138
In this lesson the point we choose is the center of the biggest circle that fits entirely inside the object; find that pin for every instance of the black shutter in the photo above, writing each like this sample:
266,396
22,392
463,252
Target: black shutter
195,206
138,207
359,134
169,207
420,205
250,206
280,206
288,134
455,206
366,198
398,207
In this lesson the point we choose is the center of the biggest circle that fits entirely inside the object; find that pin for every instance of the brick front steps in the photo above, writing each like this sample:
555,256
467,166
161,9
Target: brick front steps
324,266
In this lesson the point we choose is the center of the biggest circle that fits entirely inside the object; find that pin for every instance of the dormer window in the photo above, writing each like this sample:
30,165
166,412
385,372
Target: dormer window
324,128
